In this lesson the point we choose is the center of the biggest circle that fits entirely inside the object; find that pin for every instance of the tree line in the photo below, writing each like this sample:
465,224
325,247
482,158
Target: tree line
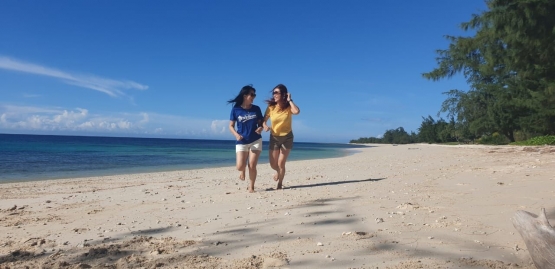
509,65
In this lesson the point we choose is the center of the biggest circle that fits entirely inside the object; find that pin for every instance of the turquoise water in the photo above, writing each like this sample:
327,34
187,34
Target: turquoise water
39,157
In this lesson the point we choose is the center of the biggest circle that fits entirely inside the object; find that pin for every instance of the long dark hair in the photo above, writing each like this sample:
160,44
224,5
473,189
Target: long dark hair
283,101
238,100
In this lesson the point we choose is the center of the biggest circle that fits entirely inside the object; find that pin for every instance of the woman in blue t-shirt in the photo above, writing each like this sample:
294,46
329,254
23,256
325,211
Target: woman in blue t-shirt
248,118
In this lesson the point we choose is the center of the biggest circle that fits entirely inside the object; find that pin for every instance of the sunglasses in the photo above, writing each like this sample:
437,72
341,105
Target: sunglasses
252,94
277,92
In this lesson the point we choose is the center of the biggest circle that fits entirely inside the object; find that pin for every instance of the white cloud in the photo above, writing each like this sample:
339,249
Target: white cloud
219,126
145,118
111,87
70,116
79,120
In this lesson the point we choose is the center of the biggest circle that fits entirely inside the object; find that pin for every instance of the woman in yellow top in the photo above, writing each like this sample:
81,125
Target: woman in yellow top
280,111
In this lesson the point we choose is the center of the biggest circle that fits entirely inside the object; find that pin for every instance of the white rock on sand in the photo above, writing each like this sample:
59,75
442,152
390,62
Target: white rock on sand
438,207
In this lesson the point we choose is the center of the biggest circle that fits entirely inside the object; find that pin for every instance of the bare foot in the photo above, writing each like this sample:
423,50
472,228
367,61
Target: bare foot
276,177
251,190
279,187
242,175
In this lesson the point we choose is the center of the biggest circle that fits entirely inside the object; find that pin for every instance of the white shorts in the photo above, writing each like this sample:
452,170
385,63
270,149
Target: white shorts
254,146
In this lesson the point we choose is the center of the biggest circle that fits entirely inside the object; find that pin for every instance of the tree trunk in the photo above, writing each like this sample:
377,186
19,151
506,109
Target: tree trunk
511,135
539,237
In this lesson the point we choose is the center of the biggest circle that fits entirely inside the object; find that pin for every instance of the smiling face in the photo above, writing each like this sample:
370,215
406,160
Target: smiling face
277,95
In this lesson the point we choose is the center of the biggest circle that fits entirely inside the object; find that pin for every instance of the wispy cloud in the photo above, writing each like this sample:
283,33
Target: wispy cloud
111,87
28,95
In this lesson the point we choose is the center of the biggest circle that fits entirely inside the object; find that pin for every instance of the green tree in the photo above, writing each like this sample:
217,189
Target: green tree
392,136
510,66
397,136
427,131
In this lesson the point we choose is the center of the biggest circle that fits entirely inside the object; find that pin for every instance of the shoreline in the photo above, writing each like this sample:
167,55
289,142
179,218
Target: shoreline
386,206
154,169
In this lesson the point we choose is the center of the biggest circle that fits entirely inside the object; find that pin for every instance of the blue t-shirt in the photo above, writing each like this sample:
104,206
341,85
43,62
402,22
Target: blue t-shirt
246,122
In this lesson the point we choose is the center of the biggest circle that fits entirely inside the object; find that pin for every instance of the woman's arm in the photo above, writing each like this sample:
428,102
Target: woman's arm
264,125
266,117
259,122
259,127
294,108
238,137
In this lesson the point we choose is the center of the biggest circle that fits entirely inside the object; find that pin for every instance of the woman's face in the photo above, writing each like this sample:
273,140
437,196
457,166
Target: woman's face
249,97
277,94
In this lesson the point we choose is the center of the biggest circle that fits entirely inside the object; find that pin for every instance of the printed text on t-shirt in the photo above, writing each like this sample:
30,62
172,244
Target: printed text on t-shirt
246,118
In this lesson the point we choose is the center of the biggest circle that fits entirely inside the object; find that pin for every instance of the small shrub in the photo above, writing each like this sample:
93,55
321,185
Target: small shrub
538,141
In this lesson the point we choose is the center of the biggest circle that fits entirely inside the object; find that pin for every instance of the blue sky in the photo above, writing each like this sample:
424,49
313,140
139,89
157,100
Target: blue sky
167,68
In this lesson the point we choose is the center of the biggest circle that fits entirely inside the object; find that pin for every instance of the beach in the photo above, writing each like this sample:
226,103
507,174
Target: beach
384,206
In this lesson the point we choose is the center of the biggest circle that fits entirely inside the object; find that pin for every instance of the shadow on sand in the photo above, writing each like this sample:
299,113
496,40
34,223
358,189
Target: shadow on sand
332,183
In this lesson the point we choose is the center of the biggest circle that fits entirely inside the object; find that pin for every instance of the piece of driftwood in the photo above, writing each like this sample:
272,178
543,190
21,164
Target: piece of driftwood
539,237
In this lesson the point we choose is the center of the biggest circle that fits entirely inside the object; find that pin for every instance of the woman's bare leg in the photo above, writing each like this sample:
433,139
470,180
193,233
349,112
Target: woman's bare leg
274,156
253,162
283,154
242,163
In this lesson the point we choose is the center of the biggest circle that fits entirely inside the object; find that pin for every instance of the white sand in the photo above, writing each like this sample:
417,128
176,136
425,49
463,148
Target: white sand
406,206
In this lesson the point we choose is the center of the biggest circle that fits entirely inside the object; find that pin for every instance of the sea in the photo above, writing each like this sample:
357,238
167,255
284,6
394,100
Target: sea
42,157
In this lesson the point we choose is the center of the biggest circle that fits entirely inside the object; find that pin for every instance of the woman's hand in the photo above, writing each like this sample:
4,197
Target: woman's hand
258,130
238,137
266,128
294,108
